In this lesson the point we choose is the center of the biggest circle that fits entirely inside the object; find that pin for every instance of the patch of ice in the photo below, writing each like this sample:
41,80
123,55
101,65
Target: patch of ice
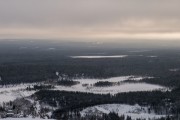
174,70
152,56
112,56
51,48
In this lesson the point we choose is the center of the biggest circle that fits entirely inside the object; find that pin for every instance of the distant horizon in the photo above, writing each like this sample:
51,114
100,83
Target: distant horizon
110,43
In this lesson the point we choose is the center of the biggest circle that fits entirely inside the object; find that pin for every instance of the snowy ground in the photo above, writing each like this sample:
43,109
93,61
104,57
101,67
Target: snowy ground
26,119
125,87
10,93
135,111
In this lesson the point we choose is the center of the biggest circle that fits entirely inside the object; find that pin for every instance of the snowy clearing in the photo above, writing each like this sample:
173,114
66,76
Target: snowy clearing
26,119
128,87
114,79
86,85
10,93
135,111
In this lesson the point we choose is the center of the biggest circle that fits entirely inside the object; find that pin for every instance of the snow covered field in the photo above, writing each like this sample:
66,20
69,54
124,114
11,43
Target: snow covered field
135,111
86,85
26,119
10,93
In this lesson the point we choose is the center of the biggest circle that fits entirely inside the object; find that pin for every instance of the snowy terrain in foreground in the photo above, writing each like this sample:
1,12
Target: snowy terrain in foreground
135,111
10,93
125,87
26,119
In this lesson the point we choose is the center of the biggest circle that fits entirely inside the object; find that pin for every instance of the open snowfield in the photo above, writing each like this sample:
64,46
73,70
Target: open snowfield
128,87
135,111
125,87
113,79
10,93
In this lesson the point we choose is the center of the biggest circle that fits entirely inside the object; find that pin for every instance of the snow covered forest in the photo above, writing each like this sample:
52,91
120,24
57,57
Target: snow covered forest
121,84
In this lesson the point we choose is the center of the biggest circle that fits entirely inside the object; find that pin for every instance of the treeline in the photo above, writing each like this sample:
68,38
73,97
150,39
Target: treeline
110,116
36,71
169,81
103,84
161,102
67,82
39,87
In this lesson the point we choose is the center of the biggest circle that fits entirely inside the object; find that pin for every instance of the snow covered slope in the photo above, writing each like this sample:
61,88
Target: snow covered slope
26,119
135,111
10,93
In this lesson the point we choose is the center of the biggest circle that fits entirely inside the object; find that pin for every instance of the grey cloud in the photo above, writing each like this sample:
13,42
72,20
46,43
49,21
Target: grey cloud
91,15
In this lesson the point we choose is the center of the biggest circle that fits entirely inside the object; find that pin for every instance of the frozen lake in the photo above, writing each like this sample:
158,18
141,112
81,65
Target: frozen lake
111,56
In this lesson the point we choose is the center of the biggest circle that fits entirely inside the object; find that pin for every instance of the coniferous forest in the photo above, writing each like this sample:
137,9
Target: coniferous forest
54,84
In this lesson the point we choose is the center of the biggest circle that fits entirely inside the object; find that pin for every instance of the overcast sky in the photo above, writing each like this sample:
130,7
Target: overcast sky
132,19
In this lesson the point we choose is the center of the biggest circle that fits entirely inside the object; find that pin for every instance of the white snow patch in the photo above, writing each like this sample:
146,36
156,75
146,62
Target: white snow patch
174,70
10,93
135,111
51,48
86,85
30,118
152,56
128,87
112,56
113,79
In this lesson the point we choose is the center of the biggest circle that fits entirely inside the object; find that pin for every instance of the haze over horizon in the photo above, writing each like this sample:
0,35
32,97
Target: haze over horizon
90,20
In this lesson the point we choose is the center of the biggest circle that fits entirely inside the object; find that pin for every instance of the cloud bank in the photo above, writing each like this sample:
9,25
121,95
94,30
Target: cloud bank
132,19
